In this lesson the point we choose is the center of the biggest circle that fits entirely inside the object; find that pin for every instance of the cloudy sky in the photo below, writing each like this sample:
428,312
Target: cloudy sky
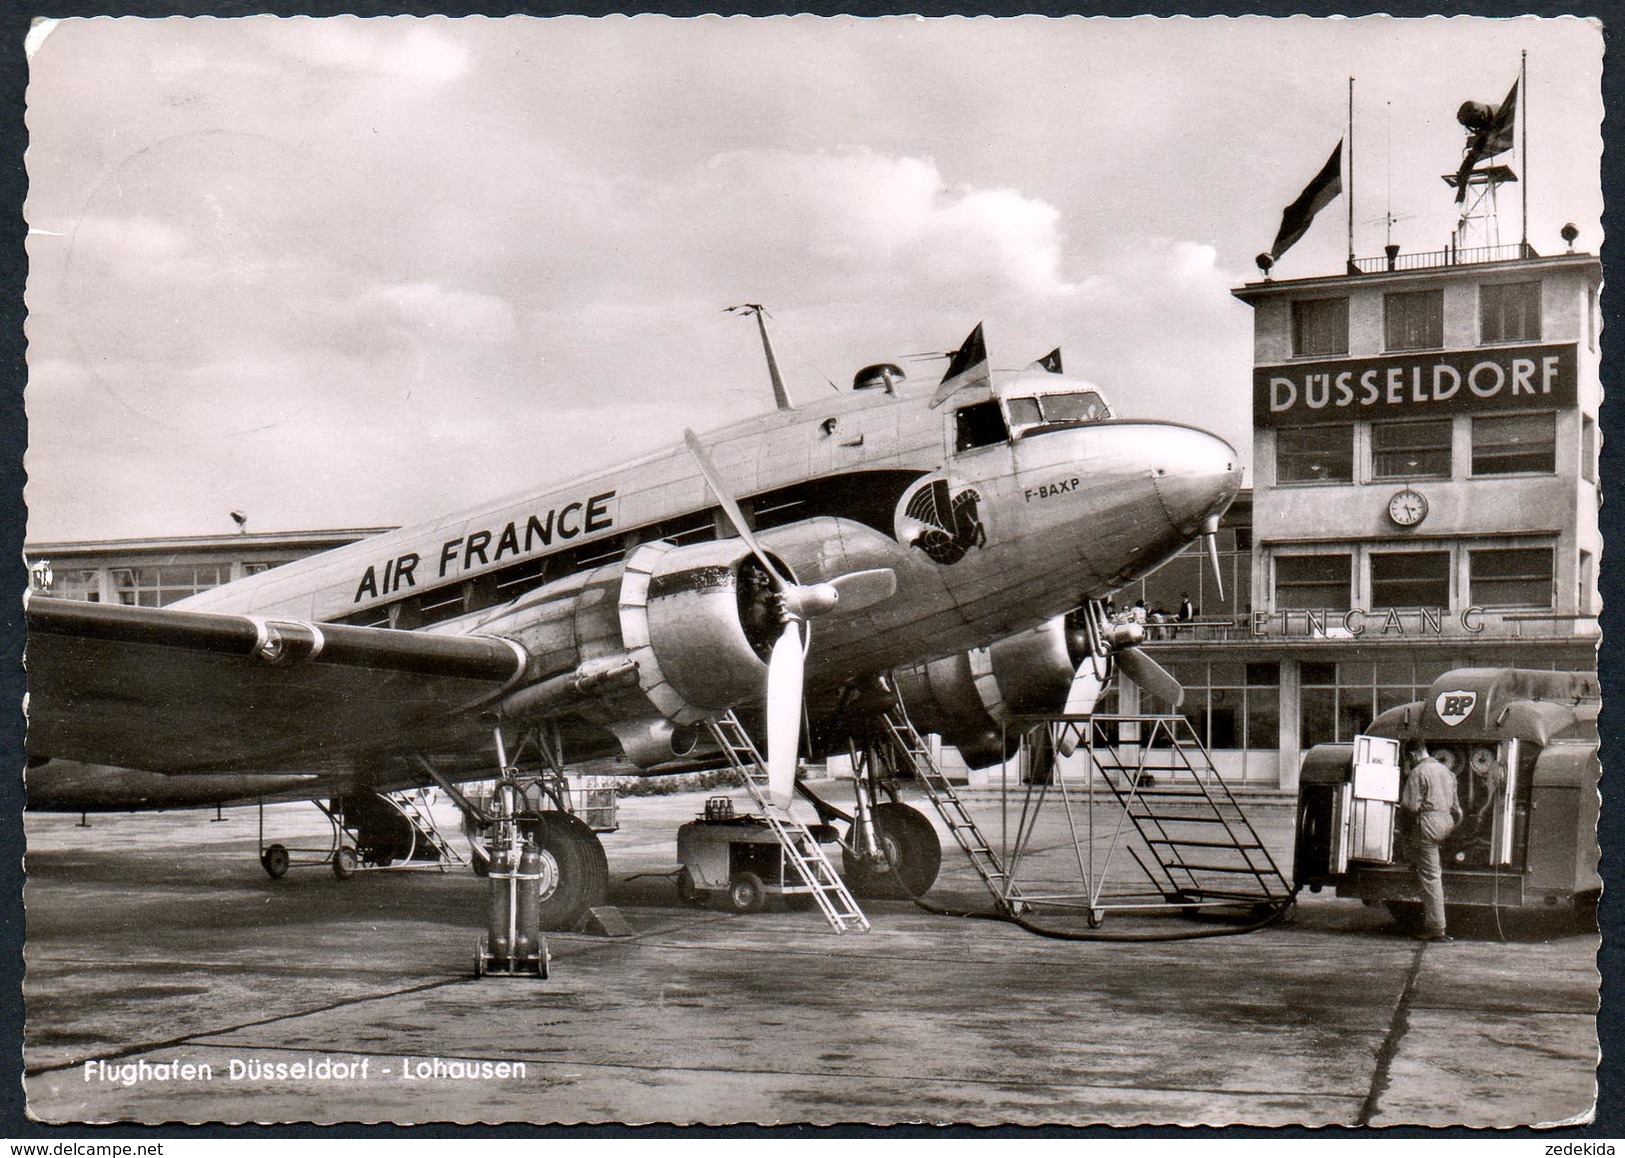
356,272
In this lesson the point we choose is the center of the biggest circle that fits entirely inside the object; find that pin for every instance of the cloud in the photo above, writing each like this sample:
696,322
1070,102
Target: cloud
399,47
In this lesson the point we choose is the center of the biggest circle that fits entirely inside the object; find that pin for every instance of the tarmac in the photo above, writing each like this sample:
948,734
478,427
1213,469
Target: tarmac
158,939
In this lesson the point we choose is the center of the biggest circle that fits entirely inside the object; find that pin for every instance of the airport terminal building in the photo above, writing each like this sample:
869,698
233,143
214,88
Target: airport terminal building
1425,496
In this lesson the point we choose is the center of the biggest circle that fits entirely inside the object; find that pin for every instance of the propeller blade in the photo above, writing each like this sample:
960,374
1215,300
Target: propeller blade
730,508
784,676
860,589
1087,684
1150,675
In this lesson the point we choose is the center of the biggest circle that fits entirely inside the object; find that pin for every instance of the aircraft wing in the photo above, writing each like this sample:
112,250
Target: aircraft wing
190,691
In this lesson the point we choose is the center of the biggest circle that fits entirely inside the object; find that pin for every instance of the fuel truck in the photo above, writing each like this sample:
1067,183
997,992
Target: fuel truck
1523,748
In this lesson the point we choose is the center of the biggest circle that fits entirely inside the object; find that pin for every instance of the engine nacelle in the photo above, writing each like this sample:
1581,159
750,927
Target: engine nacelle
648,647
700,623
966,698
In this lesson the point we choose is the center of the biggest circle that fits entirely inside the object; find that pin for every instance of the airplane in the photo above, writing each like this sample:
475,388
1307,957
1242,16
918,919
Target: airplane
935,543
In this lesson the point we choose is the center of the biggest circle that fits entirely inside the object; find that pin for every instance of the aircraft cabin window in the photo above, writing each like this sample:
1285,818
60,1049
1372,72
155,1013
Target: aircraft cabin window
979,425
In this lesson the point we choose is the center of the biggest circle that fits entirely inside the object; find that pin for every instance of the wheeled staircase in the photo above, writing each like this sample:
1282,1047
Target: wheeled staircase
801,848
1190,835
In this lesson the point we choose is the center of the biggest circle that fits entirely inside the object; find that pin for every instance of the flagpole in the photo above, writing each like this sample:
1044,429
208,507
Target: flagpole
1523,99
1352,267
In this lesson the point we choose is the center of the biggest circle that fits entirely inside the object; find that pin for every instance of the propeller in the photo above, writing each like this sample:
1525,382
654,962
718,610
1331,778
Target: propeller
1103,644
800,602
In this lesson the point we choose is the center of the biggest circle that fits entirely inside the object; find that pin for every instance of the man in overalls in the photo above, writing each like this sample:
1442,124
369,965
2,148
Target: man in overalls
1429,796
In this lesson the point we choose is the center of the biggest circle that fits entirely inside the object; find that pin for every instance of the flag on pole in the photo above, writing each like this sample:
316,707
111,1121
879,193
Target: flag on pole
1319,193
1491,135
967,367
1050,362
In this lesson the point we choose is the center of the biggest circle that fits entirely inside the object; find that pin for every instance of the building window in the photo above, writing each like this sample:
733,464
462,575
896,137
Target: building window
1314,454
1588,448
1511,577
1413,321
1232,705
1320,326
1312,582
1515,444
1338,701
1510,312
1410,449
161,586
1410,579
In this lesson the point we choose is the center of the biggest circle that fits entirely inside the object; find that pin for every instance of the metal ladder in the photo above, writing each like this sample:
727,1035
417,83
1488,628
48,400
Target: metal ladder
424,826
954,814
1200,844
801,849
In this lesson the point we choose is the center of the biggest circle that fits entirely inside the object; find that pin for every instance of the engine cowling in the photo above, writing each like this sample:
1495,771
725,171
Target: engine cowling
966,698
700,622
648,647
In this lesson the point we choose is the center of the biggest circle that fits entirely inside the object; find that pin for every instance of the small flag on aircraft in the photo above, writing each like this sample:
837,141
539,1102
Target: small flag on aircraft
1295,219
967,367
1492,134
1050,362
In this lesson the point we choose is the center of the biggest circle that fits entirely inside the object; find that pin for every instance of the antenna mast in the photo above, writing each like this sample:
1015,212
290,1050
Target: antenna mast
755,309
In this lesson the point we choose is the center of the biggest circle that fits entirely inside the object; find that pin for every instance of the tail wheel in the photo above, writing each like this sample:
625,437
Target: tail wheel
912,850
575,871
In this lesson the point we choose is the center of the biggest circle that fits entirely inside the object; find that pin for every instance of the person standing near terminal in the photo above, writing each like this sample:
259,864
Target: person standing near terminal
1429,797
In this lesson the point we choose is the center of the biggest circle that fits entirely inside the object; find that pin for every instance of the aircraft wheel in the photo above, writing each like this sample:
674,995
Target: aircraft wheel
479,858
345,862
911,847
746,893
1097,918
275,861
575,872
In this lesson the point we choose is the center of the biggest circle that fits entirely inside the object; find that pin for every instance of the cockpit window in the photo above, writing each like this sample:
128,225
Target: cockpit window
1084,406
979,425
1025,412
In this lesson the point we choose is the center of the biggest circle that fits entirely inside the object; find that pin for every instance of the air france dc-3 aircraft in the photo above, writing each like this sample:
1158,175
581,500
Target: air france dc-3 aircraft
939,536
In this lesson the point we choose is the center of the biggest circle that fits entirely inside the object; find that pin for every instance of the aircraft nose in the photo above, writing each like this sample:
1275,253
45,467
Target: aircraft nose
1195,474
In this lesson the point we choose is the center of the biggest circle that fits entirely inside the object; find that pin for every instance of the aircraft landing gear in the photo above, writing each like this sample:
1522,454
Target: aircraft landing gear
891,850
575,871
907,859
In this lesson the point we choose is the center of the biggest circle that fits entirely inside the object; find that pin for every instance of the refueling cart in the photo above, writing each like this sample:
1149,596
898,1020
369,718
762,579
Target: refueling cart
1523,748
736,860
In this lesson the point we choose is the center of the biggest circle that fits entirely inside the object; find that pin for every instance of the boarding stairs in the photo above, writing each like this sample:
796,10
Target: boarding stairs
940,791
414,807
801,848
1196,845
